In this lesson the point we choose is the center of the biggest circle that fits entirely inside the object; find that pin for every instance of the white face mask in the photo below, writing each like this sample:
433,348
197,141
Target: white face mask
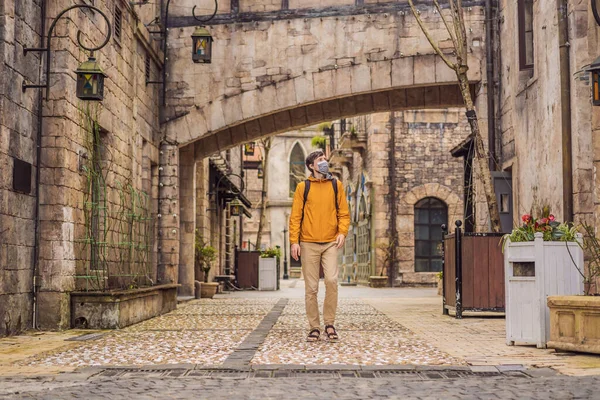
323,167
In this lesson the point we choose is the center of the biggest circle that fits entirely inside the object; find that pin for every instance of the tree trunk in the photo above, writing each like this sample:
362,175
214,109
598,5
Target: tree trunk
480,153
458,36
263,195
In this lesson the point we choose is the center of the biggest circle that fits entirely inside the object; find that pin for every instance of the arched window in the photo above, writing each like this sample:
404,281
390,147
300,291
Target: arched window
297,168
430,214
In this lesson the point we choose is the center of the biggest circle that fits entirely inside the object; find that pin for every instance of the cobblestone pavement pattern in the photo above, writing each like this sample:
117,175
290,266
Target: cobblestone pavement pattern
207,332
369,338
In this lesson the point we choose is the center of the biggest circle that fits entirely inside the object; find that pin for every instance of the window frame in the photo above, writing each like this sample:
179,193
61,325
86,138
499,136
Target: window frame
430,257
522,33
292,163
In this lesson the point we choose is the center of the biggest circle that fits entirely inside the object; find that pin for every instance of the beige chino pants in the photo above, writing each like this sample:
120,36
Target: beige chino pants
313,256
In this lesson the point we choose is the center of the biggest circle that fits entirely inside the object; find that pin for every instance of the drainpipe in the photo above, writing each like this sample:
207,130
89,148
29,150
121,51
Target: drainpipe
489,49
36,247
565,108
393,200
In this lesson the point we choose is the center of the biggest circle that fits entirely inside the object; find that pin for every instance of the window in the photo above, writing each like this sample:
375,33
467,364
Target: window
525,21
118,23
147,67
430,214
297,168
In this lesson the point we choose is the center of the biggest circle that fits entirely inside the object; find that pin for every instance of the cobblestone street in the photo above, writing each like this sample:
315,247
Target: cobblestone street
394,344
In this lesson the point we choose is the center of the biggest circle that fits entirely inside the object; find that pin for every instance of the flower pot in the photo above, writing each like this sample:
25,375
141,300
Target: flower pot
534,271
575,323
378,281
208,290
440,286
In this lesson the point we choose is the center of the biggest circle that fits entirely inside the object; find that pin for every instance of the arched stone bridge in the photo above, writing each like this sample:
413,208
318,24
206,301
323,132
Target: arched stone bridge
280,70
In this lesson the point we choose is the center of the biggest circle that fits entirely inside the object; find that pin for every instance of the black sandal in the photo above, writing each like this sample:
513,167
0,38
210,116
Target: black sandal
314,335
333,336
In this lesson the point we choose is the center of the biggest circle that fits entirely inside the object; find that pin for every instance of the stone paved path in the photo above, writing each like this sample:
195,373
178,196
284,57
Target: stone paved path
240,331
394,344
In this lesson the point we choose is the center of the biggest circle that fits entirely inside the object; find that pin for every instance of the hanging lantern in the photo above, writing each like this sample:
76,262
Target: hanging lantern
594,70
201,46
249,148
261,171
90,80
235,208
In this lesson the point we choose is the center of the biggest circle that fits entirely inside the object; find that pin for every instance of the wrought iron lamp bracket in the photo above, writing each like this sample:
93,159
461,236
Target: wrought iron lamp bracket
48,50
164,32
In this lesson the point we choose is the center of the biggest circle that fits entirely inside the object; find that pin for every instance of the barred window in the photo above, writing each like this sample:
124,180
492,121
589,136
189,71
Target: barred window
430,214
147,67
118,23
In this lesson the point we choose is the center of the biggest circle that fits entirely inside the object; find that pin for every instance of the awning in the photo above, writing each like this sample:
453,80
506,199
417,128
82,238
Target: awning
228,190
464,148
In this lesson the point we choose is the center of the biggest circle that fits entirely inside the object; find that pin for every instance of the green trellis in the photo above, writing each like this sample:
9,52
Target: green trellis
113,248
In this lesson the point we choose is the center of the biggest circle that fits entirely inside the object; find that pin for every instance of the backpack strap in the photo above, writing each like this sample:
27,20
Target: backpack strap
335,191
306,189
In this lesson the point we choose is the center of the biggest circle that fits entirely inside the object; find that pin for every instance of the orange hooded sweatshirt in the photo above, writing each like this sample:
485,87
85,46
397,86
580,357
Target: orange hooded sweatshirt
321,223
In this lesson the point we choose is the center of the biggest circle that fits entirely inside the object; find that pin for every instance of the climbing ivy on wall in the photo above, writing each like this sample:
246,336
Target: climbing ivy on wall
114,244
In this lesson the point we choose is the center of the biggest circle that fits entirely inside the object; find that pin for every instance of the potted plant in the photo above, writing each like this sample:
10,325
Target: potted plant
267,268
204,256
538,258
575,320
385,253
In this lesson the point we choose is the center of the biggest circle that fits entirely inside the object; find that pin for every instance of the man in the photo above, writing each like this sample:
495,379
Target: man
318,227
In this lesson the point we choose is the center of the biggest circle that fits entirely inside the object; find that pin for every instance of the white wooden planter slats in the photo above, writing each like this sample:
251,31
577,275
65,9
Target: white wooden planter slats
534,271
267,274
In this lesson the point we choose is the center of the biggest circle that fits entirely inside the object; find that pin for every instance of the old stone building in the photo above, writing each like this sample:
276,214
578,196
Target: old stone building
124,183
547,119
402,184
104,195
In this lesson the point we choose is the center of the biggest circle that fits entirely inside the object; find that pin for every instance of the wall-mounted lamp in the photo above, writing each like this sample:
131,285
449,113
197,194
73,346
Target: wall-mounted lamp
90,78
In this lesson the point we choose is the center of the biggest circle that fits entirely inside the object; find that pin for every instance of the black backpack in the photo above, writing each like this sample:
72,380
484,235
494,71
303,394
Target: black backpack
307,188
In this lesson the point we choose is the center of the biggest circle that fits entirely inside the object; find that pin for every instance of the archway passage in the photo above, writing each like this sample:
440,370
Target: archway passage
422,97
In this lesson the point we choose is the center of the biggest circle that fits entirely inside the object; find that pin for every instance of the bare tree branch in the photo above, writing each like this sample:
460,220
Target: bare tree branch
452,34
435,47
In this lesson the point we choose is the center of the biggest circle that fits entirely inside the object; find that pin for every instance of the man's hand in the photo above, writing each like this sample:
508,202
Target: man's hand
340,240
296,251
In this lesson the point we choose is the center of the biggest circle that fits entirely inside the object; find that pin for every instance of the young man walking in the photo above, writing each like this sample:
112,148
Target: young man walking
318,227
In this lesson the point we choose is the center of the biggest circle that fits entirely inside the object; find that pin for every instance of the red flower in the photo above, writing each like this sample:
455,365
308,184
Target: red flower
544,221
551,217
526,218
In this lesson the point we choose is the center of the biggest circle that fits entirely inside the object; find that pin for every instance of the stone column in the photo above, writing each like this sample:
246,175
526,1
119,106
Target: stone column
187,196
168,208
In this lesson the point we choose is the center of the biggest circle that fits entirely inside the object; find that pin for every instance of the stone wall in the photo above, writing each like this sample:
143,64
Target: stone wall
125,144
530,109
423,168
20,24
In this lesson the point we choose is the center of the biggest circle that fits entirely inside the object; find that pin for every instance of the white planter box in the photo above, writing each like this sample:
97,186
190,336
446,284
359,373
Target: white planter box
267,274
534,271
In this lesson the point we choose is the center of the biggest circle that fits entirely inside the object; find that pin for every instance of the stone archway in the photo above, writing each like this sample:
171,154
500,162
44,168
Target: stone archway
271,75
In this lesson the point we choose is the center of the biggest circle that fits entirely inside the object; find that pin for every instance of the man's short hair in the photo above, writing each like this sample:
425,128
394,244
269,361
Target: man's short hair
310,160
